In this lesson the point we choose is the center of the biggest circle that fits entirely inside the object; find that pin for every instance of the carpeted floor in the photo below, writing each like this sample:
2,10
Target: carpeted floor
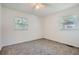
40,47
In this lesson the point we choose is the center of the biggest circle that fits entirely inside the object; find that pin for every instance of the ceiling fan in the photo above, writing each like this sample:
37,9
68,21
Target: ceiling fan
38,6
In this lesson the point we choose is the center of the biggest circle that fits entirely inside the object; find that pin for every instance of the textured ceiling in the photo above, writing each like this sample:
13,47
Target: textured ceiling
27,7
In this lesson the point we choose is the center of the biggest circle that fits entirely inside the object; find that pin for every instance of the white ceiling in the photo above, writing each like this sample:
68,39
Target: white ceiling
27,7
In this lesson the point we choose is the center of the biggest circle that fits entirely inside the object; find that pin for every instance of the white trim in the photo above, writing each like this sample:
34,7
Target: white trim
0,48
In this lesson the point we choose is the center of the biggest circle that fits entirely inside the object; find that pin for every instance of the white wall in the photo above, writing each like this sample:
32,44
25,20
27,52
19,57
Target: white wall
11,36
52,31
39,27
0,27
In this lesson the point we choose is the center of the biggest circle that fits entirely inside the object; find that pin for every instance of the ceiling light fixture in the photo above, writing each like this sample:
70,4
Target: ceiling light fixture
38,6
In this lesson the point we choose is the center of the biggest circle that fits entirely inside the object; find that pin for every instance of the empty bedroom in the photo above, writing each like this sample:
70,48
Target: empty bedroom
39,29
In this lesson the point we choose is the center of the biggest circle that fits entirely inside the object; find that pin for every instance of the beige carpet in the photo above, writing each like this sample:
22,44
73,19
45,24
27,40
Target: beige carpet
39,47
